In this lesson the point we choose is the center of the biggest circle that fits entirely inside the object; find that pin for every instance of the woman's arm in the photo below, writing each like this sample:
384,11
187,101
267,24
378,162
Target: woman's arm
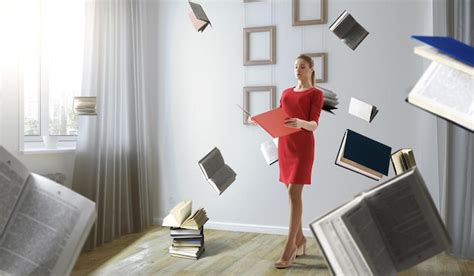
299,123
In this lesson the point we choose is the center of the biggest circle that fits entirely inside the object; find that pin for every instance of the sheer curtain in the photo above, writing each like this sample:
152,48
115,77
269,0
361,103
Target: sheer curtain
454,18
112,157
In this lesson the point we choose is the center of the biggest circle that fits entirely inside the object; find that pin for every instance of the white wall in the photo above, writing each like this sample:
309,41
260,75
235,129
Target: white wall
9,98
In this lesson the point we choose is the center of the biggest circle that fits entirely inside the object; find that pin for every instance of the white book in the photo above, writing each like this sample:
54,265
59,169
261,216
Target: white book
43,225
269,151
382,231
362,110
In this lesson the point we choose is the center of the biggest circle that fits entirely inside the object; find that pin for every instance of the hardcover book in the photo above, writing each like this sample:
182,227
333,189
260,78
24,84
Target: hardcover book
216,171
384,230
269,151
403,160
348,30
198,17
362,110
330,99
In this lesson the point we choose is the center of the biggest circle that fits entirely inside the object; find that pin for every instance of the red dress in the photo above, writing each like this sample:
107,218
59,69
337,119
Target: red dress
296,151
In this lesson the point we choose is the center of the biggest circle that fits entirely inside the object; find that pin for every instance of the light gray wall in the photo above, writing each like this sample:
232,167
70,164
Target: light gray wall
200,78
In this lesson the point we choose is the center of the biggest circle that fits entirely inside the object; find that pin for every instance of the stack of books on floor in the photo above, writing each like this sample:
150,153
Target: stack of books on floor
186,230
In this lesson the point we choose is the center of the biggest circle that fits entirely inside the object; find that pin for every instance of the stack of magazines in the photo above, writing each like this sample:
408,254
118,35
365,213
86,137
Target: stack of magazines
186,230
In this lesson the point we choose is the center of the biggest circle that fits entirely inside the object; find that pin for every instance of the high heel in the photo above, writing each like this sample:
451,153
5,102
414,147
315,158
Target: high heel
285,264
301,249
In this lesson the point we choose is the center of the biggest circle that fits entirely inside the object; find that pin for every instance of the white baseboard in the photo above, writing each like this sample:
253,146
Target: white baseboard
238,227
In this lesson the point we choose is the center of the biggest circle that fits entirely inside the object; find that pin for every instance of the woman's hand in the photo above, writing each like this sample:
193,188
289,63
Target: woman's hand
294,123
250,121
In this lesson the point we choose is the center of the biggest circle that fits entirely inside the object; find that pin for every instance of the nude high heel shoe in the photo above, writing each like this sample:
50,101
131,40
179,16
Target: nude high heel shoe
285,264
301,249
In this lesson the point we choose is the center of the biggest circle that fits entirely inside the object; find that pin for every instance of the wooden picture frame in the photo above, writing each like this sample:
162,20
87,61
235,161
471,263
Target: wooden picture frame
272,47
296,14
246,98
323,77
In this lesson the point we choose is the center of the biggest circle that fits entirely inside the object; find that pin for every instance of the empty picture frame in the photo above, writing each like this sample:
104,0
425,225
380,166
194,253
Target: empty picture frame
85,105
271,54
250,89
322,11
321,66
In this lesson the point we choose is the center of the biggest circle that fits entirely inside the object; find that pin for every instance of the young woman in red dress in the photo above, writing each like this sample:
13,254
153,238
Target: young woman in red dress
303,104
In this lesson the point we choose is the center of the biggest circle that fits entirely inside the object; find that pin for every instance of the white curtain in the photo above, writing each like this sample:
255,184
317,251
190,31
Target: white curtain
112,158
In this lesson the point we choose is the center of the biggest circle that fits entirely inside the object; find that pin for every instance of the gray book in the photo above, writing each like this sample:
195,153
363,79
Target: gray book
384,230
330,99
216,171
348,30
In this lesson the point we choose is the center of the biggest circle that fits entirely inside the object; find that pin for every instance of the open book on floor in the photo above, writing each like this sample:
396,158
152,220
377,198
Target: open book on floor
363,155
43,225
382,231
216,171
198,17
362,110
330,99
445,88
403,160
180,216
348,30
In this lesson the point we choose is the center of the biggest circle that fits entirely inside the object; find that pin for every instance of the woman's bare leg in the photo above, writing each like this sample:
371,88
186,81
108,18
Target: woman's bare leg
296,210
299,235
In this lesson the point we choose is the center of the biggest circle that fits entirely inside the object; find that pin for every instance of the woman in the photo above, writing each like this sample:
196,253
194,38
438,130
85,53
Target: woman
303,104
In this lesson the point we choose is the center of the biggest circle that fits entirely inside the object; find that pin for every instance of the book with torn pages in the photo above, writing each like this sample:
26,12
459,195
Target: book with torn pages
348,30
403,160
362,110
43,225
446,88
85,106
180,216
363,155
330,99
269,151
198,17
216,171
384,230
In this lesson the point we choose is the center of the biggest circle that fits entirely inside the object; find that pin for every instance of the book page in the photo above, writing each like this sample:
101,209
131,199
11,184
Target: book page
211,163
343,28
223,178
13,177
365,233
360,109
47,231
269,152
408,220
355,36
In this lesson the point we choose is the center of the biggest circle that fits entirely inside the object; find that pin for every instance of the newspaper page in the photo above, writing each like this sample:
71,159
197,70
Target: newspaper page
47,230
408,220
13,176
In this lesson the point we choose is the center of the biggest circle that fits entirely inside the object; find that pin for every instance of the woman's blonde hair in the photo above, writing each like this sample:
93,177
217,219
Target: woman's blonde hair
309,60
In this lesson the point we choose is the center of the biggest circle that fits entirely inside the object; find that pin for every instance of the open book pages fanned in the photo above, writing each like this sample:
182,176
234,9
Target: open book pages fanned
385,230
330,99
346,28
269,151
43,225
362,110
180,216
198,17
403,160
216,171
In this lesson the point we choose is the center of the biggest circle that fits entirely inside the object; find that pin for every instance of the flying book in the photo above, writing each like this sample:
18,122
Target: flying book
216,171
384,230
85,105
180,216
43,225
198,17
330,99
445,88
270,151
348,30
403,160
449,46
362,110
363,155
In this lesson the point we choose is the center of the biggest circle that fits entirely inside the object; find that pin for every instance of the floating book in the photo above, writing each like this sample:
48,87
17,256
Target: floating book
43,225
198,17
363,155
180,216
270,151
403,160
330,99
385,230
85,105
348,30
449,46
362,110
216,171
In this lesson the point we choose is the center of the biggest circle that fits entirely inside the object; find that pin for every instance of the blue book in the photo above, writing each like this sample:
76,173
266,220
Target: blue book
363,155
449,46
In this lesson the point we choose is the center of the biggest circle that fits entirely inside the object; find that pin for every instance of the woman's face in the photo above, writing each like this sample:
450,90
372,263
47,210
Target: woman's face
302,70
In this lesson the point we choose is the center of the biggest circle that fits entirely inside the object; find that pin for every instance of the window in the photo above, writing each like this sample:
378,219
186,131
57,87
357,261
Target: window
53,40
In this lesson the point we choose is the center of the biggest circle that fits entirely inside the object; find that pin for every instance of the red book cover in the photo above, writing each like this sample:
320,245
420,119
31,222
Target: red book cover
273,122
196,22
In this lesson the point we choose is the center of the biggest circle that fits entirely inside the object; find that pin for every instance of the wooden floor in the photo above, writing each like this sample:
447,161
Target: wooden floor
227,253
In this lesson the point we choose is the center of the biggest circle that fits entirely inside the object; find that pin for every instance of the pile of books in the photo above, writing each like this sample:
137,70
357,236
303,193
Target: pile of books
186,230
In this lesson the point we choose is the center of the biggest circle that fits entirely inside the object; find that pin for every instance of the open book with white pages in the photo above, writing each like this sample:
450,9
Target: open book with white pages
43,225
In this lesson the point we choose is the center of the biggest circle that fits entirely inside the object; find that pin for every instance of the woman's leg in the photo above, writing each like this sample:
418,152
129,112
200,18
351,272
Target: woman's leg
296,210
300,239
